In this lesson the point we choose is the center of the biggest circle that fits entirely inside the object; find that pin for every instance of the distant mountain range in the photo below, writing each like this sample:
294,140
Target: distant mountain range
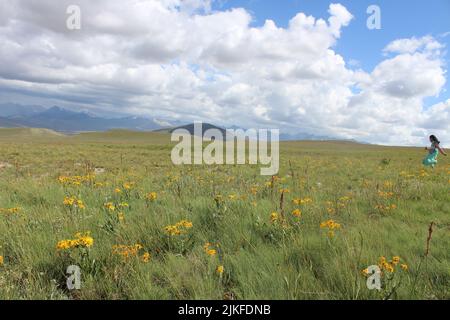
191,129
283,137
63,120
66,121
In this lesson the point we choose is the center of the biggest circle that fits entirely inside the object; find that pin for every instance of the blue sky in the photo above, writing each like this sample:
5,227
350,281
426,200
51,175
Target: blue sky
400,19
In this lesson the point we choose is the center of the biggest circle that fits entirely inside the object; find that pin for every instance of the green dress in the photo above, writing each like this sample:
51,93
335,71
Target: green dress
431,159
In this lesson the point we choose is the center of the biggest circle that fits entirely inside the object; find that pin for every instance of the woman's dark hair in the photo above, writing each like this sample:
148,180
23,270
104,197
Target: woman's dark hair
434,139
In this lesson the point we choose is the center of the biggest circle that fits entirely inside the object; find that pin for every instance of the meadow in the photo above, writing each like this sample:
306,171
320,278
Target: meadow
141,228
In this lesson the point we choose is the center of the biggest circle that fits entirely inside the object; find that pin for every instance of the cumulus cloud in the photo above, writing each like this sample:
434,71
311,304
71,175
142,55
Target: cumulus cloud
182,60
426,44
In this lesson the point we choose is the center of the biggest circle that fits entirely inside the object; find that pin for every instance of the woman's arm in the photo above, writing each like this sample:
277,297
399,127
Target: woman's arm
441,150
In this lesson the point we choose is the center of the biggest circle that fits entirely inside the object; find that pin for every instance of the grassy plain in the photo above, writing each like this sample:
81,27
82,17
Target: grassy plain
334,209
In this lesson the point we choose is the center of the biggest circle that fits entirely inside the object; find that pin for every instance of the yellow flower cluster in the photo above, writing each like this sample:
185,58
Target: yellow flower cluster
209,249
178,228
297,213
422,174
331,225
80,241
76,180
274,217
127,252
220,269
123,205
128,185
385,195
388,266
1,261
151,196
109,206
10,210
74,202
146,257
302,201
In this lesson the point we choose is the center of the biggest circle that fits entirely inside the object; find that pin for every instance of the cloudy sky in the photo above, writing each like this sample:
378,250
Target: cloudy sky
303,66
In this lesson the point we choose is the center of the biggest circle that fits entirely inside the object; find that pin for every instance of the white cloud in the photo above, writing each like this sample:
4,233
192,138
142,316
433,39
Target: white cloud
182,60
426,44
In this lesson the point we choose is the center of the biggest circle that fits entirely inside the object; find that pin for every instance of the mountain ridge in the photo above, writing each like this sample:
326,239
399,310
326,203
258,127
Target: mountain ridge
63,120
69,122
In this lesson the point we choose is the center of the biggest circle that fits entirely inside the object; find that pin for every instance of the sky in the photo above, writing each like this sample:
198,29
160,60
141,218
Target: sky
305,66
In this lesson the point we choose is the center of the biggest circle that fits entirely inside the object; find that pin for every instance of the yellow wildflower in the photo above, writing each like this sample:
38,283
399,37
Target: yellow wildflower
110,206
389,267
69,201
178,228
330,224
209,249
80,204
185,224
73,202
302,201
80,241
146,257
296,213
274,217
220,269
127,252
395,260
10,210
127,186
124,205
151,196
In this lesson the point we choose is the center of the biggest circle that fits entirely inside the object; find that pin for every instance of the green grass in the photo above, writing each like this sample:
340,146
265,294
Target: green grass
292,258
